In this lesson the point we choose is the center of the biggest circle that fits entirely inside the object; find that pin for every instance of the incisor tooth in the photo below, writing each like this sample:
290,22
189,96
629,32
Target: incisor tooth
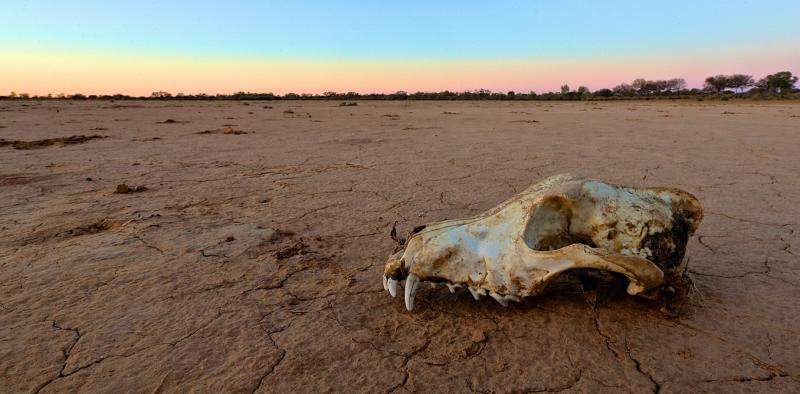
452,288
385,284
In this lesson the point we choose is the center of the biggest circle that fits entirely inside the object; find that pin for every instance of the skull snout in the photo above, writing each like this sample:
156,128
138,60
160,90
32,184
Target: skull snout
395,267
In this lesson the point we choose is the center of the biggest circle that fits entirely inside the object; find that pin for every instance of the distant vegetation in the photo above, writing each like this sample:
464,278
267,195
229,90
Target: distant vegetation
724,87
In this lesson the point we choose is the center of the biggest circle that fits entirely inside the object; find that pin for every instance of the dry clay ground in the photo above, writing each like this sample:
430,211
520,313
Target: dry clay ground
250,259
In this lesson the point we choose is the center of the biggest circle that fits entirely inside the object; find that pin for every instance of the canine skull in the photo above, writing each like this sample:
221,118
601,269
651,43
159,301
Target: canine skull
563,222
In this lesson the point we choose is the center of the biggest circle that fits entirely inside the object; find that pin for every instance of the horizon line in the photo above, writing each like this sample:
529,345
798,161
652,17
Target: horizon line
322,93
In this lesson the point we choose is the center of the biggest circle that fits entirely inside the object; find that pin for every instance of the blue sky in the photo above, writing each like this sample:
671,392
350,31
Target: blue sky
135,46
370,29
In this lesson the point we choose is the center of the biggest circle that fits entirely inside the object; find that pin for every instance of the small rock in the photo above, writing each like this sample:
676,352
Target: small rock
125,189
478,336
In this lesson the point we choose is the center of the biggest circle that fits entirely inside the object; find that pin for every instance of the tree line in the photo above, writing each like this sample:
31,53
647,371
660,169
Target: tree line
774,83
778,85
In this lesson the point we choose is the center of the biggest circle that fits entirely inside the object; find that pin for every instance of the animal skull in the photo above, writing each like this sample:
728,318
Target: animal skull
563,222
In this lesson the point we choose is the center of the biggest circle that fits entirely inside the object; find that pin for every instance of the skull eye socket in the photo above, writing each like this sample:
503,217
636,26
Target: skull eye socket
548,228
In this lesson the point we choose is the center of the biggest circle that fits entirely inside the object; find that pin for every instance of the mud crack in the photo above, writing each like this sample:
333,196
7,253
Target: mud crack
277,362
638,364
66,353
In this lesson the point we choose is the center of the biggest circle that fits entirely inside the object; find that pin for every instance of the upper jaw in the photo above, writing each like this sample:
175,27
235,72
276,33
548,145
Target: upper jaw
395,271
396,267
406,265
431,256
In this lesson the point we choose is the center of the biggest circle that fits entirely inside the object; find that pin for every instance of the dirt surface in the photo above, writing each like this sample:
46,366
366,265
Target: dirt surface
252,262
60,141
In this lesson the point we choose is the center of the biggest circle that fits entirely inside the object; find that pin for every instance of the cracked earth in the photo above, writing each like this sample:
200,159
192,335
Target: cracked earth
251,262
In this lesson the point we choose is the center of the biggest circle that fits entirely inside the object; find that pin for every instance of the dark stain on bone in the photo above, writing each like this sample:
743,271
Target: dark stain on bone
668,247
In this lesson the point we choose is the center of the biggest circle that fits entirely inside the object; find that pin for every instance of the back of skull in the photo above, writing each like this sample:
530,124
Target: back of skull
618,219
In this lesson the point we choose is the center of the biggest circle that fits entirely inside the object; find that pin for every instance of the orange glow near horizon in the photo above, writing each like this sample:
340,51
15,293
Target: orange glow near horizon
51,72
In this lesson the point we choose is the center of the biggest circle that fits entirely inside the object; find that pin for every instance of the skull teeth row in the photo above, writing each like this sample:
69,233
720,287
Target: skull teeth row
413,281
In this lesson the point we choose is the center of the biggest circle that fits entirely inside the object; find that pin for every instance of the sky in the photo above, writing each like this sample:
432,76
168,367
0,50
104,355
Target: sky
202,46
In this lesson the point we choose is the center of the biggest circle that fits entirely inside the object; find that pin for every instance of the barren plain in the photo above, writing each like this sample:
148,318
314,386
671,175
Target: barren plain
238,246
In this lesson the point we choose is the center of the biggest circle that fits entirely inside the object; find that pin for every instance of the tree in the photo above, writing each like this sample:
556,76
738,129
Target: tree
644,86
583,90
639,84
676,85
564,89
740,81
779,82
603,93
160,95
623,89
717,83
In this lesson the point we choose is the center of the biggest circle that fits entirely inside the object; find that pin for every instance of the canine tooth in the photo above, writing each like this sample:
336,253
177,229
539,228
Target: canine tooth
385,283
497,297
452,288
392,287
412,281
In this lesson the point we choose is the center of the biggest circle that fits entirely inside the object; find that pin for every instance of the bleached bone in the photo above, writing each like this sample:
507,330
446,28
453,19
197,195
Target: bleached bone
563,222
